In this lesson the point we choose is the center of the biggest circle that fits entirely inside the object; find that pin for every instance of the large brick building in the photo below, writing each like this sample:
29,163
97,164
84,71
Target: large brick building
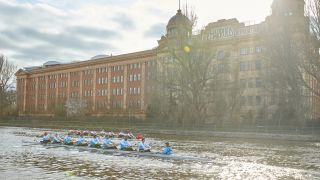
118,84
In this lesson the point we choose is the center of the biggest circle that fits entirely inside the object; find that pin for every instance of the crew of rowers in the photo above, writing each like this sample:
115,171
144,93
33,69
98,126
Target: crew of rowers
105,142
111,134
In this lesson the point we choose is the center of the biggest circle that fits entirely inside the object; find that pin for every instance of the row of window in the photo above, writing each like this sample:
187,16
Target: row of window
251,83
250,100
75,94
117,79
102,92
250,50
134,104
87,82
134,66
134,90
63,84
117,104
117,91
52,85
88,72
117,68
75,83
103,80
134,77
88,93
102,70
250,65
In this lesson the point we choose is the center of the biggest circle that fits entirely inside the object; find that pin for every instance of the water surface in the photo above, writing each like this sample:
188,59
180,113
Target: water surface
199,158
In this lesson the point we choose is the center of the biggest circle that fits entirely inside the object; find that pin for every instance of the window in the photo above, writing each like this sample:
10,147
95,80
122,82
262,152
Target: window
134,77
134,65
250,100
258,83
220,55
243,66
243,51
258,100
221,68
258,64
139,77
250,83
243,83
258,49
243,101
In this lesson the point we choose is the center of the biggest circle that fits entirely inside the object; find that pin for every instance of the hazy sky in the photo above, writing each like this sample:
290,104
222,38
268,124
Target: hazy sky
35,31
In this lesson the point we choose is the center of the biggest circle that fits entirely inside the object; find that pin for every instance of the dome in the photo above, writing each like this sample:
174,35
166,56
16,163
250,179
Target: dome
178,25
179,20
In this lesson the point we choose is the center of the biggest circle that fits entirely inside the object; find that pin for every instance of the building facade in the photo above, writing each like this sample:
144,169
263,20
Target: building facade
117,85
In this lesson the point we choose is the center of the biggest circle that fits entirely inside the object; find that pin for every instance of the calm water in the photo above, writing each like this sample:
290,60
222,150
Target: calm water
209,158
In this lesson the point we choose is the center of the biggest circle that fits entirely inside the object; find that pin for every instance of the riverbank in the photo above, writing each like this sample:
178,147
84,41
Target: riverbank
266,133
242,135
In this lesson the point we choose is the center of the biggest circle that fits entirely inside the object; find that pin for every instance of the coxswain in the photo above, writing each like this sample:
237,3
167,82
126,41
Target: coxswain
125,145
94,142
167,149
143,147
81,141
108,144
67,139
139,136
45,138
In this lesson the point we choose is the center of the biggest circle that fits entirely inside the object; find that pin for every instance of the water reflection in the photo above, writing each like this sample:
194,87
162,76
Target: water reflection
225,159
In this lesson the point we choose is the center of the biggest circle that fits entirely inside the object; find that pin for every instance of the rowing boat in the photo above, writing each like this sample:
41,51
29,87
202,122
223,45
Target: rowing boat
117,152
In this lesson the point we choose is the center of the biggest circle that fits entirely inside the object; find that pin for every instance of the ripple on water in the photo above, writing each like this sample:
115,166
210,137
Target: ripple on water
226,159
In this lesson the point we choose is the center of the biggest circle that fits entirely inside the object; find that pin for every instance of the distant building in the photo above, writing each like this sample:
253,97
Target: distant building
118,84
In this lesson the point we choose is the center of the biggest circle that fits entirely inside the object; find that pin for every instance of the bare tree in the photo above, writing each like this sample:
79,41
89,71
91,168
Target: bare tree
75,107
311,47
282,75
7,71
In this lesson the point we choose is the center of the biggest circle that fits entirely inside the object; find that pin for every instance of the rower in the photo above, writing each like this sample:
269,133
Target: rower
94,142
139,136
167,149
67,139
143,147
130,135
125,145
45,138
107,143
56,139
81,141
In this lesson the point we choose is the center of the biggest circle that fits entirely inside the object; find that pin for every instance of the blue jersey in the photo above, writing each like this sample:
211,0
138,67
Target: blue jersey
107,141
67,139
94,141
124,144
167,150
142,146
80,141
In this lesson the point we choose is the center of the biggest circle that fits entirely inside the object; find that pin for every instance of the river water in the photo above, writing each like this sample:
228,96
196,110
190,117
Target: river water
197,158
